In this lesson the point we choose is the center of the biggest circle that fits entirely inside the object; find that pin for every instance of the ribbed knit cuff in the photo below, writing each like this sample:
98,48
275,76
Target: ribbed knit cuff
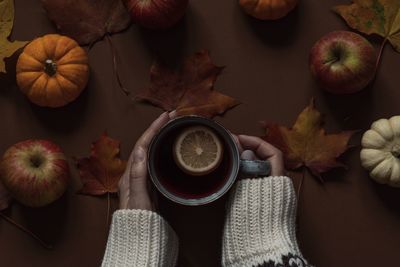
140,238
260,224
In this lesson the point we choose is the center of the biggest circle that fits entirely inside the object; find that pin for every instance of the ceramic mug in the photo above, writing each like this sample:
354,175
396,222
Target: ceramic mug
189,190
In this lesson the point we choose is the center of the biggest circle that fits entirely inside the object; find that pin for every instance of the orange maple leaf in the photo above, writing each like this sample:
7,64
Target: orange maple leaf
307,144
190,91
101,172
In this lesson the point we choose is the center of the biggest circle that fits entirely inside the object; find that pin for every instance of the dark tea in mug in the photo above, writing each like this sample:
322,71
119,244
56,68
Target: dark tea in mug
180,186
181,183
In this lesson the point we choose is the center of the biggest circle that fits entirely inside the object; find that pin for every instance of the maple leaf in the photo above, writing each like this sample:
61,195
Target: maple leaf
7,48
87,21
380,17
101,172
306,144
5,197
189,91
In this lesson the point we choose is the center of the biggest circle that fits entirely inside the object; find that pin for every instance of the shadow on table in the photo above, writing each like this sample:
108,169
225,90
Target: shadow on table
167,45
8,79
64,119
354,108
390,196
47,222
279,32
199,230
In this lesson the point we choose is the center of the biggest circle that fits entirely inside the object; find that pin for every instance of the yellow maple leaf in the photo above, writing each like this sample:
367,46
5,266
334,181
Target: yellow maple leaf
7,48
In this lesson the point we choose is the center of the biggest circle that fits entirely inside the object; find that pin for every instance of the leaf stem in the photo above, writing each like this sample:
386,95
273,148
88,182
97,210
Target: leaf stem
379,58
108,207
27,231
300,185
115,65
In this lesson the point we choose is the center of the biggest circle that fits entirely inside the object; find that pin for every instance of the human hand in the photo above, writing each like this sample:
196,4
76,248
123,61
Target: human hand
251,147
134,190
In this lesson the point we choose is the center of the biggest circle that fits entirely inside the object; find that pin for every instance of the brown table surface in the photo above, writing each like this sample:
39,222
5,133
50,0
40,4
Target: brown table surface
349,221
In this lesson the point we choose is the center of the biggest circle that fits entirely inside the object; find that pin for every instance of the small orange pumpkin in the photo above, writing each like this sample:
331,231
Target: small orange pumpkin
52,70
268,9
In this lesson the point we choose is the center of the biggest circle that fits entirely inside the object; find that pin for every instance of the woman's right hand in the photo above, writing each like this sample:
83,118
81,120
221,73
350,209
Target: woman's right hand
261,151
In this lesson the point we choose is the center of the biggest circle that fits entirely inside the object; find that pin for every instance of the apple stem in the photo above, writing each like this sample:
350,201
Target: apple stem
115,65
22,228
378,59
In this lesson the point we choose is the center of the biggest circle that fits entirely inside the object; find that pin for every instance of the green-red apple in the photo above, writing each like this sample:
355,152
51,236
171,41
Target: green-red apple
35,172
156,14
343,62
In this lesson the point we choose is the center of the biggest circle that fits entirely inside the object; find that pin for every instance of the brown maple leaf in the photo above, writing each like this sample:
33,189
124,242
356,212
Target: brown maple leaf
7,48
101,172
190,91
87,20
307,144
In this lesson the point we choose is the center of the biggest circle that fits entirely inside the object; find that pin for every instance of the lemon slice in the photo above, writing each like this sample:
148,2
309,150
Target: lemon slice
197,150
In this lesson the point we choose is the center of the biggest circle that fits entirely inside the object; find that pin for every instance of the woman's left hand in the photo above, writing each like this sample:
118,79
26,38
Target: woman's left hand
134,190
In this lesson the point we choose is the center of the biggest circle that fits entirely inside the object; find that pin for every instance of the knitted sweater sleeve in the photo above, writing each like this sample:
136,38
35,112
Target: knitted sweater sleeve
260,225
140,238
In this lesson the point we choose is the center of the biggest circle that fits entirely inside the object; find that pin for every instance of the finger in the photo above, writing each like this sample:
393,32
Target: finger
277,166
134,152
236,139
146,137
173,114
138,169
262,149
248,155
123,192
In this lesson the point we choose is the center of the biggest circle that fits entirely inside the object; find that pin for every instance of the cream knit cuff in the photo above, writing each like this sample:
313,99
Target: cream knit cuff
140,238
260,224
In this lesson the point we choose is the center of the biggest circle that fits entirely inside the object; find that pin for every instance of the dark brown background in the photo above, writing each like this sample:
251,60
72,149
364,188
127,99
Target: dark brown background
350,221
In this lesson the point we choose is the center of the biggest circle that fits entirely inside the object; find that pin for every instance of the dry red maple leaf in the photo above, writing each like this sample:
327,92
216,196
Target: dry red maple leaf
307,144
190,91
101,172
87,20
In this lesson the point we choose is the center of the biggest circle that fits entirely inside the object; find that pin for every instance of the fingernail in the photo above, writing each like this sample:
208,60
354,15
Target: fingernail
172,114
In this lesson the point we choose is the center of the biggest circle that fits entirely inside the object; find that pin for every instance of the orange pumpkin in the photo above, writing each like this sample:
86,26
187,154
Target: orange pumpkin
52,70
268,9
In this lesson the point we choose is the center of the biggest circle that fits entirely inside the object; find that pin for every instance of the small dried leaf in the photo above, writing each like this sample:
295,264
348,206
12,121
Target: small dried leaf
101,172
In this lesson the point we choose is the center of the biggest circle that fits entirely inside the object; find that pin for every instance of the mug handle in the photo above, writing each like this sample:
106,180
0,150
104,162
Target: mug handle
255,168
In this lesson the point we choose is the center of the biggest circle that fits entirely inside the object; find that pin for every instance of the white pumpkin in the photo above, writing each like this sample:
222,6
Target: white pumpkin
380,153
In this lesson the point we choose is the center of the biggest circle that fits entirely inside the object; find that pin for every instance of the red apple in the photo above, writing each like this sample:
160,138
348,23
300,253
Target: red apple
35,172
343,62
156,14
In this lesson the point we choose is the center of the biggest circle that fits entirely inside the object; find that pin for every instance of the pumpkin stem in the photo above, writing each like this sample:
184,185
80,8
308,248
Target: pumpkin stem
50,67
396,150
